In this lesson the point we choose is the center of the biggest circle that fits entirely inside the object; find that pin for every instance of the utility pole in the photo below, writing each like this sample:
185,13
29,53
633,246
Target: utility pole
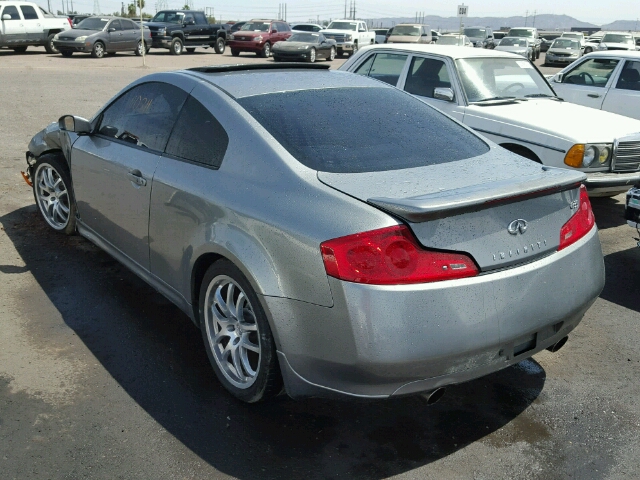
63,7
345,8
534,17
49,4
526,16
72,9
285,12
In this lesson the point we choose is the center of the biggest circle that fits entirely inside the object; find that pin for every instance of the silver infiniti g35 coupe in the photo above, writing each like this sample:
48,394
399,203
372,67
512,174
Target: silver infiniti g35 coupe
326,232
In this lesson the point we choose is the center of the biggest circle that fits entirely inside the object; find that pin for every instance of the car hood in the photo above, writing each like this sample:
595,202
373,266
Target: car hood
625,46
563,50
292,45
249,34
159,24
338,32
545,121
77,32
403,39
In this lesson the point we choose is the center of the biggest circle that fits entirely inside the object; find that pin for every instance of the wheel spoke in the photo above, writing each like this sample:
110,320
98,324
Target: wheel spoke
248,344
247,365
239,307
230,304
219,301
63,207
237,364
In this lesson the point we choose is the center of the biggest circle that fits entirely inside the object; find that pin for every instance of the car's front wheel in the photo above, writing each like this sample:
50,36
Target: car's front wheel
98,50
312,56
66,53
235,53
176,46
332,55
236,334
588,50
49,47
53,194
266,51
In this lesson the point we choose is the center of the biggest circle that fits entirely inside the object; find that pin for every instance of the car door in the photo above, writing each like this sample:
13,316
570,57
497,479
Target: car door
189,166
623,97
384,66
113,168
324,47
116,36
131,34
190,30
32,24
424,75
13,29
588,82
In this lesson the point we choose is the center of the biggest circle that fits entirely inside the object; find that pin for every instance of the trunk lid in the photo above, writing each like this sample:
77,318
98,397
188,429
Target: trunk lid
502,215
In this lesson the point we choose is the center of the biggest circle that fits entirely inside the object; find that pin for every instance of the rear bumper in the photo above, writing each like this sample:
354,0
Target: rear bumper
379,341
610,183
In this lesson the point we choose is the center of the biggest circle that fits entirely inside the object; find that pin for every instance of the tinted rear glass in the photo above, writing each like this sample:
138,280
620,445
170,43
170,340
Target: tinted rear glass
351,130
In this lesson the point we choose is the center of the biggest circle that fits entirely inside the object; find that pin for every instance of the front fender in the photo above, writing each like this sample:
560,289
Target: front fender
50,139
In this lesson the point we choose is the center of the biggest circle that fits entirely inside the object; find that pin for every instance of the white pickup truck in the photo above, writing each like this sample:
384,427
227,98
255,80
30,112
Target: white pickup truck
24,24
349,35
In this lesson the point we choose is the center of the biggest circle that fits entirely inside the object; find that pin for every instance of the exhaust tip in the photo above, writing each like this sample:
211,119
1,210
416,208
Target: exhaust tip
436,395
558,345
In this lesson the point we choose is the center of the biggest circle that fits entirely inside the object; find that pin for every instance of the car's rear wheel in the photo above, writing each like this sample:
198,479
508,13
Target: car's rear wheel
66,53
49,47
98,50
332,55
220,45
236,334
266,51
19,49
53,194
139,48
176,46
588,50
190,49
235,53
311,58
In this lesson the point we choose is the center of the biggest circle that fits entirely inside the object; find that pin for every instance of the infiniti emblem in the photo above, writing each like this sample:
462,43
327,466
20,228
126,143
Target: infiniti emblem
516,226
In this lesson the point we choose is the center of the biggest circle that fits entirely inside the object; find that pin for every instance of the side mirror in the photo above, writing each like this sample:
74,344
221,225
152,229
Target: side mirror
6,16
71,123
274,31
362,30
189,22
111,30
445,94
559,77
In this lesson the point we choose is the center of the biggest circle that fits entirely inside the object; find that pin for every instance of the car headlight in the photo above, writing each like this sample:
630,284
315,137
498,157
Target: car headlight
55,37
588,155
162,32
348,38
602,46
258,38
231,37
81,39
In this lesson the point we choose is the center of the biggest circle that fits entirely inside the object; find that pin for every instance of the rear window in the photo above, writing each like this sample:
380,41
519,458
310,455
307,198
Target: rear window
353,130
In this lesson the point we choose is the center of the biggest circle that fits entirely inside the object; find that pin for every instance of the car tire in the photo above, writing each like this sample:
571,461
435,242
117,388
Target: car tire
311,58
354,51
266,51
588,50
190,49
532,57
66,53
98,50
220,45
176,46
235,53
240,347
53,193
19,49
138,50
276,59
537,54
49,47
332,55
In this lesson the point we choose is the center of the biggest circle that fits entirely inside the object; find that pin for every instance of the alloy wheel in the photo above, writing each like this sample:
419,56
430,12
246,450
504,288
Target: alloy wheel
232,331
52,196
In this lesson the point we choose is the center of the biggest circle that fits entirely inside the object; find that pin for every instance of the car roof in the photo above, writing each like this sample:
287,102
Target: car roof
243,82
616,53
446,50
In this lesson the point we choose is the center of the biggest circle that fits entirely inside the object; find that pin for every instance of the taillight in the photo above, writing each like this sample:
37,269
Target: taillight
580,223
391,256
70,22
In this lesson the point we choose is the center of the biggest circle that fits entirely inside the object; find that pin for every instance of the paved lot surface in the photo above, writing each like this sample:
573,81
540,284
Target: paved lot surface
101,377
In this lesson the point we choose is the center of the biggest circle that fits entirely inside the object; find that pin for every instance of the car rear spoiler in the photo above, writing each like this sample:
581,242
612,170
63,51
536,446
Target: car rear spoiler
478,197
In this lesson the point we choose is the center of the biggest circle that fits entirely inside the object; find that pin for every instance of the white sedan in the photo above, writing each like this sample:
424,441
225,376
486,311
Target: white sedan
607,81
503,96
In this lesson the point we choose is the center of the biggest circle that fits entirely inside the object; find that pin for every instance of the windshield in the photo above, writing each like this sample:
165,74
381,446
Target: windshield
475,32
405,30
168,17
565,43
613,38
255,27
572,35
304,37
513,42
406,133
521,32
343,26
93,23
485,78
444,40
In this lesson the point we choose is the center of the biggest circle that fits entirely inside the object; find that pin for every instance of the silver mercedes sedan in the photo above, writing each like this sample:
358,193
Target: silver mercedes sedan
326,232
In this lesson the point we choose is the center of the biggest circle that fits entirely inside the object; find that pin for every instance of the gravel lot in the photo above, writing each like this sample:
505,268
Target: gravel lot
101,377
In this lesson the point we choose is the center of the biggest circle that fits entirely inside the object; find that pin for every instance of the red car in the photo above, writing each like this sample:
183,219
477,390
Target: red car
258,36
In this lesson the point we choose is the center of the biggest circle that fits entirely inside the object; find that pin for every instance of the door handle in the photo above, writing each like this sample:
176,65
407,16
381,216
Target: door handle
593,95
136,177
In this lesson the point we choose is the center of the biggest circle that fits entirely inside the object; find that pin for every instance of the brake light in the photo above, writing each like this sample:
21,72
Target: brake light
70,22
391,256
580,223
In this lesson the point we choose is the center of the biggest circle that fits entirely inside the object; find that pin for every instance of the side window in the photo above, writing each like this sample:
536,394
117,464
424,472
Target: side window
200,18
198,136
144,116
115,24
129,25
28,12
365,67
385,67
594,72
11,10
425,75
629,77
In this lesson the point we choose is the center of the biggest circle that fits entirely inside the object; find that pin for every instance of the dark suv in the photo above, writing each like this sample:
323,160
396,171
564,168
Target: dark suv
180,29
258,36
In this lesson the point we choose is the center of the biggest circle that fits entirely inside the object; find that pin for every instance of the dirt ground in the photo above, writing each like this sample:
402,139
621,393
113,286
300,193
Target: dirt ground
101,377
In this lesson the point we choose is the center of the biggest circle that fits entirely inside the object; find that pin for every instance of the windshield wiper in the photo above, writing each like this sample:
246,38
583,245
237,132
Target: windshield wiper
544,95
491,99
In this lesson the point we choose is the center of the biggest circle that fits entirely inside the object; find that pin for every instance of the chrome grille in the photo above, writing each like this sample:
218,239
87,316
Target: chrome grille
337,38
67,39
627,157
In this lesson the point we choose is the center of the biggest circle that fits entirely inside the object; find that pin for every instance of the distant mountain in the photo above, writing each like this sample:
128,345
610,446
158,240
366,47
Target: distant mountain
622,25
542,22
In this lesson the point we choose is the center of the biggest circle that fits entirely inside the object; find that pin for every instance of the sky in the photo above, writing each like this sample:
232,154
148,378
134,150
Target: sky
594,11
